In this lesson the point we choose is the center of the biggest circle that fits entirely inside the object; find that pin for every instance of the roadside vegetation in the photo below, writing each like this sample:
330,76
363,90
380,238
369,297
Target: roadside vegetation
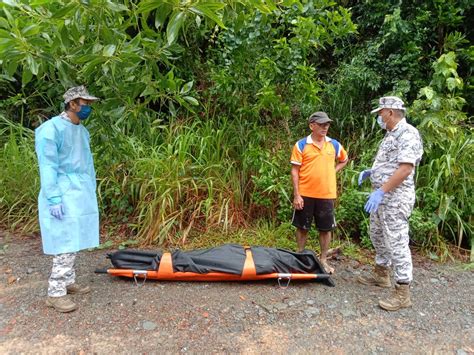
202,101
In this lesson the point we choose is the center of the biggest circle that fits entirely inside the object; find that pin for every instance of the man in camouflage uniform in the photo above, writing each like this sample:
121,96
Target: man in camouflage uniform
390,205
67,203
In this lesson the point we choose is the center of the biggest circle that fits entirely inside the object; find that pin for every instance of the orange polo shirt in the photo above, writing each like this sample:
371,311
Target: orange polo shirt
317,175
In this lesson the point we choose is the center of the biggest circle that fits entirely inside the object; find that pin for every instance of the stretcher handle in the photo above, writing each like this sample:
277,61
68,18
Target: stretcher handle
139,272
101,271
283,277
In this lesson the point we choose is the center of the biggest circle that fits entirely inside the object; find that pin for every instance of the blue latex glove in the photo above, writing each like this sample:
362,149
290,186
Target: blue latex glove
374,201
57,211
364,175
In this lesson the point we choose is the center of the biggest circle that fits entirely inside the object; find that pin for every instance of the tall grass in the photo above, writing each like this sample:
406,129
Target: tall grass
19,179
193,180
173,183
193,176
448,180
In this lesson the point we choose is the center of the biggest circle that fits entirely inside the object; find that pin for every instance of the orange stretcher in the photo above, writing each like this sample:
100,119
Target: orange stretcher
165,272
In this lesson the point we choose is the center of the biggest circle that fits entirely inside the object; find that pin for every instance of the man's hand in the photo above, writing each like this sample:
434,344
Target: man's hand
57,211
298,202
374,201
364,175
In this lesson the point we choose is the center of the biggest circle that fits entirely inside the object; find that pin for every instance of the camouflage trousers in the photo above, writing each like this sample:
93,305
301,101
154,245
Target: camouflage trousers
62,274
389,235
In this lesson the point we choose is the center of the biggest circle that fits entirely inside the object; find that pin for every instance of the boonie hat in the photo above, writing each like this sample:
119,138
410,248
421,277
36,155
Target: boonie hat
76,93
390,102
319,117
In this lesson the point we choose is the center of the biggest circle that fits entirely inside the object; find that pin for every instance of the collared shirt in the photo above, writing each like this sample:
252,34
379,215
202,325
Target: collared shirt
64,116
317,174
403,144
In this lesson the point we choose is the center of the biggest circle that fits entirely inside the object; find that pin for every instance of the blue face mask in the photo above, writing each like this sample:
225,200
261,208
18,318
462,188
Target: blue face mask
381,123
84,112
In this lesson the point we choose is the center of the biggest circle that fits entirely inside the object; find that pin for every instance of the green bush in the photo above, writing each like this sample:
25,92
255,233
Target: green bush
422,228
351,219
448,142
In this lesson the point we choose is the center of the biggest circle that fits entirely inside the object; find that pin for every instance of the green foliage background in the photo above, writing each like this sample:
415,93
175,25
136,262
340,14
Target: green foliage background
202,101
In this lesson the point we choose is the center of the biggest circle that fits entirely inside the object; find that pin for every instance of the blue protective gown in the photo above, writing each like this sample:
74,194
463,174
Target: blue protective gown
68,177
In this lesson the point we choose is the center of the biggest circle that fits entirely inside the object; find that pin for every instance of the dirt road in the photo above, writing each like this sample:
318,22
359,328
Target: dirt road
119,317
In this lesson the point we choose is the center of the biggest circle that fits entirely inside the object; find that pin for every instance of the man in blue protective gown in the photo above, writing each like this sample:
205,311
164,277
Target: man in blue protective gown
67,202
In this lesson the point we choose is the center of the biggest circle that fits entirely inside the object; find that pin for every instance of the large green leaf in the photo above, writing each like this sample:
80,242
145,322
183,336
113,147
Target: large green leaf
26,76
209,10
265,6
428,92
174,26
4,23
191,100
10,18
31,30
5,34
112,5
453,83
149,5
12,3
186,87
63,11
33,64
109,50
149,90
12,67
161,14
6,46
39,2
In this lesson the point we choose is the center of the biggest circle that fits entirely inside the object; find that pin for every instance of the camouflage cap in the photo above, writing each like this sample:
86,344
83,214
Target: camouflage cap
319,117
390,102
78,92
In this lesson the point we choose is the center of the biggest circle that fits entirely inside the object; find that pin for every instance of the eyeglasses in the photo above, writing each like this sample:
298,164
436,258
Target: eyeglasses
327,124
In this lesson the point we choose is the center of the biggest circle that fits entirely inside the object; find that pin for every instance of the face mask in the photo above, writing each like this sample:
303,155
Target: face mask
381,123
84,112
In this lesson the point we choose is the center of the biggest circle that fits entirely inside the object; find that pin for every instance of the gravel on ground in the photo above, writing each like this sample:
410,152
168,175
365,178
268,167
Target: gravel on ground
227,317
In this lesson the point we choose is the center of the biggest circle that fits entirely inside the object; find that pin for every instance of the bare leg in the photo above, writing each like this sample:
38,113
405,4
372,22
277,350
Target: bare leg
324,241
301,238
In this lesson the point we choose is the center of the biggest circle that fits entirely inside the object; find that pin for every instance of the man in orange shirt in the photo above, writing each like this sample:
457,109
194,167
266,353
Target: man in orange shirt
313,172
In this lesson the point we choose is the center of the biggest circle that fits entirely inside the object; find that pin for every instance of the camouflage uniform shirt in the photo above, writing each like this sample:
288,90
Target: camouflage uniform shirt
403,144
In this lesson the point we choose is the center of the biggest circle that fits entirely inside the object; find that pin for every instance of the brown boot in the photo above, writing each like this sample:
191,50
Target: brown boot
77,289
61,304
380,277
399,299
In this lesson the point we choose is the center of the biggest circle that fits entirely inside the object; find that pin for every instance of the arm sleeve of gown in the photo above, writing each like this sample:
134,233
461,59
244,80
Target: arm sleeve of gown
90,168
47,152
92,173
